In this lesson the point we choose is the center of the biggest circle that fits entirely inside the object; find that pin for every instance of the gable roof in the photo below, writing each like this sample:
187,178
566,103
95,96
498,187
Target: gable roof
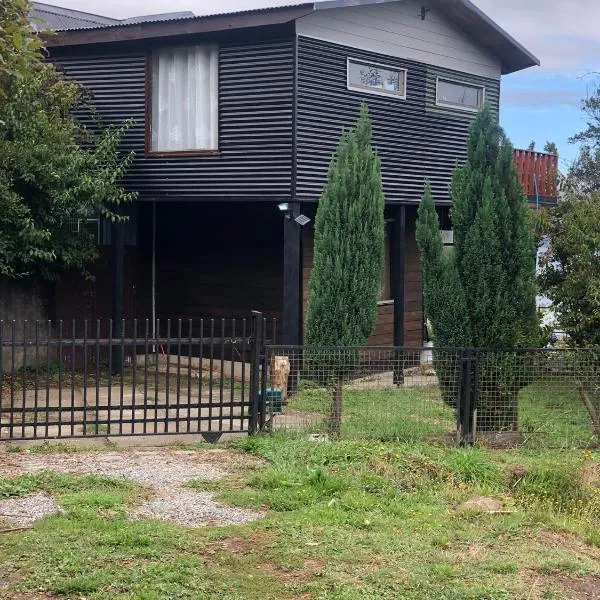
463,13
57,18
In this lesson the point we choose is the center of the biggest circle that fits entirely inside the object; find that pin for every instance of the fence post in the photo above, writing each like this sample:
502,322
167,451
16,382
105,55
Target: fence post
466,398
257,348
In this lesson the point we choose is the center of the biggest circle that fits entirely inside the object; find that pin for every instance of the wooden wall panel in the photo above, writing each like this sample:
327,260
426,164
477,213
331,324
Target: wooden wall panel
383,332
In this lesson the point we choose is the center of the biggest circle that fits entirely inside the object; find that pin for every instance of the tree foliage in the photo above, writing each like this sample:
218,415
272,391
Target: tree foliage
348,260
570,274
53,169
584,174
348,249
481,293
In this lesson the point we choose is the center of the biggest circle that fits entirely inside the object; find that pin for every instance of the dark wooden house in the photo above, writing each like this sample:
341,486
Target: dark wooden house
235,118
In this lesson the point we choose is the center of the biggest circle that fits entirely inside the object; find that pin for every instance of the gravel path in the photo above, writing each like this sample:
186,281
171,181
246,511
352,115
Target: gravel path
164,471
25,511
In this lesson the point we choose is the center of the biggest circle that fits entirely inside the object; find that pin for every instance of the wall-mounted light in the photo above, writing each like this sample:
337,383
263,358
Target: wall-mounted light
284,206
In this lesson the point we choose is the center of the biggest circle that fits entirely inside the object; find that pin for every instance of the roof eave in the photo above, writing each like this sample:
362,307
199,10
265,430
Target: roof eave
159,29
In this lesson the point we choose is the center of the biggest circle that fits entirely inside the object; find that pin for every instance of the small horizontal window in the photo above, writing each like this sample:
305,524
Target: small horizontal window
376,79
460,95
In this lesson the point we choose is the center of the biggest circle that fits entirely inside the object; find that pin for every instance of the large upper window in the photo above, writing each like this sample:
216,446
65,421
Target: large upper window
376,79
185,99
460,95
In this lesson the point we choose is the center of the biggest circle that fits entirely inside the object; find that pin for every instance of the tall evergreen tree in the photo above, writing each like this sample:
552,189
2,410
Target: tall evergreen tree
348,251
489,276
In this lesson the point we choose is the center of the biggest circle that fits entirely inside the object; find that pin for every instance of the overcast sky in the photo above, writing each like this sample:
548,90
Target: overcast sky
537,104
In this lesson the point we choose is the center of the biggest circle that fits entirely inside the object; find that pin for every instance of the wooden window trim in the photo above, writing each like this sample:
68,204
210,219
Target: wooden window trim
458,106
370,90
148,152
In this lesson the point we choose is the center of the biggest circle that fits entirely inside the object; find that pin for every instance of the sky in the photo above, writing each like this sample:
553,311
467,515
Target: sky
538,104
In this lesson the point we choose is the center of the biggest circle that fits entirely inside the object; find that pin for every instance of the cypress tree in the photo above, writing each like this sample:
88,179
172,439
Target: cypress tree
482,293
348,253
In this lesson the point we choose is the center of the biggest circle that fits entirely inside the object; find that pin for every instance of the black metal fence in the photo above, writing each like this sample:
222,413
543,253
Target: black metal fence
540,397
84,379
216,376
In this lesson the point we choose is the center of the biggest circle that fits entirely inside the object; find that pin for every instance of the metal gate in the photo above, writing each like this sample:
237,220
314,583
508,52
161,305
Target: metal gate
94,379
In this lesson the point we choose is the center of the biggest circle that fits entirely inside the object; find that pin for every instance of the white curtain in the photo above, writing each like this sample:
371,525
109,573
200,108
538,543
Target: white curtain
185,99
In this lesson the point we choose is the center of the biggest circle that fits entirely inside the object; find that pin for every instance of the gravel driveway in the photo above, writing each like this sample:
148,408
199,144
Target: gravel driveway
163,471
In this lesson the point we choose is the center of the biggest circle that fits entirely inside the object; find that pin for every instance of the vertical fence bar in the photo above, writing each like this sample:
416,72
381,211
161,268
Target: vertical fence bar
200,374
97,399
133,374
121,373
189,377
24,380
210,373
37,378
222,378
257,345
48,331
85,365
110,374
178,388
232,375
243,378
146,348
72,411
11,420
157,347
168,377
60,376
465,399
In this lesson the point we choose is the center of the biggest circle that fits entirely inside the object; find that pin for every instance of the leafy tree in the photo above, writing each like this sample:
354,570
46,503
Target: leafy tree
348,254
531,146
570,274
53,169
584,174
482,293
550,147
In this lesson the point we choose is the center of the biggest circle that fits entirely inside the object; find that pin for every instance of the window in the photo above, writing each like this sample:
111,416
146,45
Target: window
376,79
185,103
455,94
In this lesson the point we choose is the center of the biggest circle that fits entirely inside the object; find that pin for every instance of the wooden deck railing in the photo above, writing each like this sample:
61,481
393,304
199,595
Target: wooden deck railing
538,172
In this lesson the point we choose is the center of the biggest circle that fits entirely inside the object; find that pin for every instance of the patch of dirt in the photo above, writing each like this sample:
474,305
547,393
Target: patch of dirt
481,504
587,588
309,568
571,588
164,472
566,540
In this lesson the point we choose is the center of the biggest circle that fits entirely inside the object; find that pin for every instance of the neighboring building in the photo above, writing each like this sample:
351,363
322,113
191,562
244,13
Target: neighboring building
235,114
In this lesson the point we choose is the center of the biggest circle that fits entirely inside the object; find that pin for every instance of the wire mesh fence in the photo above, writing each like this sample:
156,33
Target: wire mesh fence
548,398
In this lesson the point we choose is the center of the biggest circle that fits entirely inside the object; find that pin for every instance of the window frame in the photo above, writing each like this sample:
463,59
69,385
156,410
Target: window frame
458,82
372,90
148,151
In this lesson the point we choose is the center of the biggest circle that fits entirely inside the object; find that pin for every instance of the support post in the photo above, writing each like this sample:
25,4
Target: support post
398,261
255,375
118,240
291,277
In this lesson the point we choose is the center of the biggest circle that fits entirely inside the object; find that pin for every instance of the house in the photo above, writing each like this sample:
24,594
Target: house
235,118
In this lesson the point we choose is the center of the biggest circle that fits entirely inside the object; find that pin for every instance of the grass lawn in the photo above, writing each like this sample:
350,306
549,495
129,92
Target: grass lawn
351,519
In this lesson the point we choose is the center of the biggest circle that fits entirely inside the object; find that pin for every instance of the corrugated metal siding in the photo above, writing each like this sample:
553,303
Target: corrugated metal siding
255,123
413,139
